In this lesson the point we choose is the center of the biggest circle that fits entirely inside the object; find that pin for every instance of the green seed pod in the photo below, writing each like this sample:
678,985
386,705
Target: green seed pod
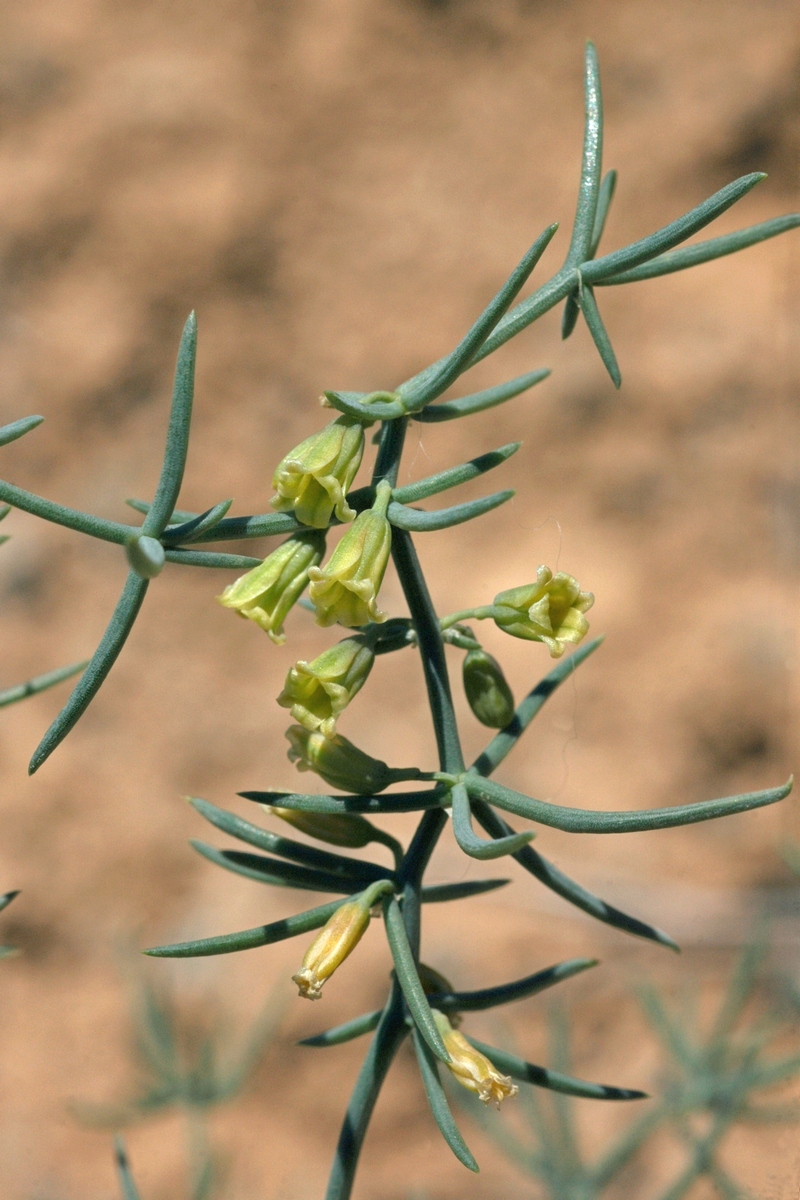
488,693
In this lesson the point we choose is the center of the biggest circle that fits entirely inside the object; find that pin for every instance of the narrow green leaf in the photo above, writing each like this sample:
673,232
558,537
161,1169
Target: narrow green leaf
597,329
39,683
423,388
572,310
455,476
5,509
204,558
192,529
7,897
672,234
468,840
231,529
592,165
606,195
408,978
416,521
702,252
128,1187
17,429
391,802
429,1070
179,515
563,886
440,893
527,1072
505,741
277,873
254,835
353,404
585,820
520,989
346,1032
177,444
480,401
71,518
250,939
99,666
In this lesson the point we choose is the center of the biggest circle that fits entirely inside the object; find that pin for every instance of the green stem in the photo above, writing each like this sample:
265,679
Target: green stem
467,614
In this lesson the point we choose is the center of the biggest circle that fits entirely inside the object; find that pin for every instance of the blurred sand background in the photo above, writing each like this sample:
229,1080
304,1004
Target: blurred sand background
338,186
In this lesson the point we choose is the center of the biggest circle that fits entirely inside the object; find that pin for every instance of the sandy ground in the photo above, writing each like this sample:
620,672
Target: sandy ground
338,186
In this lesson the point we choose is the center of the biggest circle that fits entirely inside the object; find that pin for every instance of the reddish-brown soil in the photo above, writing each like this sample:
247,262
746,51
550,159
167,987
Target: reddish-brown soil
338,186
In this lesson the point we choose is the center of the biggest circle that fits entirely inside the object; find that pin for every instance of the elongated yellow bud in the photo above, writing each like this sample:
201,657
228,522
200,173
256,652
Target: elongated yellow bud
337,940
345,829
471,1068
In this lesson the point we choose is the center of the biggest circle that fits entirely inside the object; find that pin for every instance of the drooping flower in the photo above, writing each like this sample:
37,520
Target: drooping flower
343,765
338,829
550,611
313,479
470,1068
267,593
317,692
488,693
337,939
346,588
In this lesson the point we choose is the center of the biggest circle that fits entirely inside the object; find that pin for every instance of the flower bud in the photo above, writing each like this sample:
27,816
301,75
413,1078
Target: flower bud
338,829
313,479
341,764
471,1068
550,611
489,695
346,589
336,940
267,593
317,692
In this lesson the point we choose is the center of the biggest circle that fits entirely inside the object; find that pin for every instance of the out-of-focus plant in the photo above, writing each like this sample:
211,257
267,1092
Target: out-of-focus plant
313,494
710,1082
182,1061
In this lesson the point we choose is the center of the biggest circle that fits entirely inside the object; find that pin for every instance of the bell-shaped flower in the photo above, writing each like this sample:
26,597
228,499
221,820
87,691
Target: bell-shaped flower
488,693
267,593
346,588
337,829
317,692
470,1068
337,939
313,479
550,611
343,765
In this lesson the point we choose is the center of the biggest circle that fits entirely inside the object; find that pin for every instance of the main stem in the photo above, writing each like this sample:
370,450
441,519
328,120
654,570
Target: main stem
392,1028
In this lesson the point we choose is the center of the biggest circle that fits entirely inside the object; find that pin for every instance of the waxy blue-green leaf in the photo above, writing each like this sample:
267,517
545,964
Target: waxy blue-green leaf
195,527
527,1072
406,970
503,742
251,939
18,429
423,388
7,897
179,515
591,166
70,518
346,1032
520,989
569,319
39,683
228,529
454,476
177,443
278,873
585,820
440,1109
99,666
468,840
415,521
567,888
604,198
597,329
439,893
385,406
205,558
703,252
311,856
477,402
126,1183
389,802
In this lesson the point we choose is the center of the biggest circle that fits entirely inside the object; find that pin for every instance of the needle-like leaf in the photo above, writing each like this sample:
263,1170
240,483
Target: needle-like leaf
527,1072
177,444
71,518
126,1183
450,410
346,1032
250,939
283,874
391,802
468,840
429,1070
415,521
454,476
520,989
592,165
192,529
17,429
406,970
205,558
604,198
40,683
597,329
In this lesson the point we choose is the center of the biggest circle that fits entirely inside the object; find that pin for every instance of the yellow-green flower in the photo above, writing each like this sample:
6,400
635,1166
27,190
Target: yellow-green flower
346,588
488,693
266,594
338,829
317,692
336,940
550,611
471,1068
341,764
313,479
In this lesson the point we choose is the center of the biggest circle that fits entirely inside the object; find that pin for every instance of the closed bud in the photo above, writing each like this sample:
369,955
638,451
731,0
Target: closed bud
145,555
341,764
267,593
489,695
338,829
346,588
472,1069
313,479
317,692
338,938
550,611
